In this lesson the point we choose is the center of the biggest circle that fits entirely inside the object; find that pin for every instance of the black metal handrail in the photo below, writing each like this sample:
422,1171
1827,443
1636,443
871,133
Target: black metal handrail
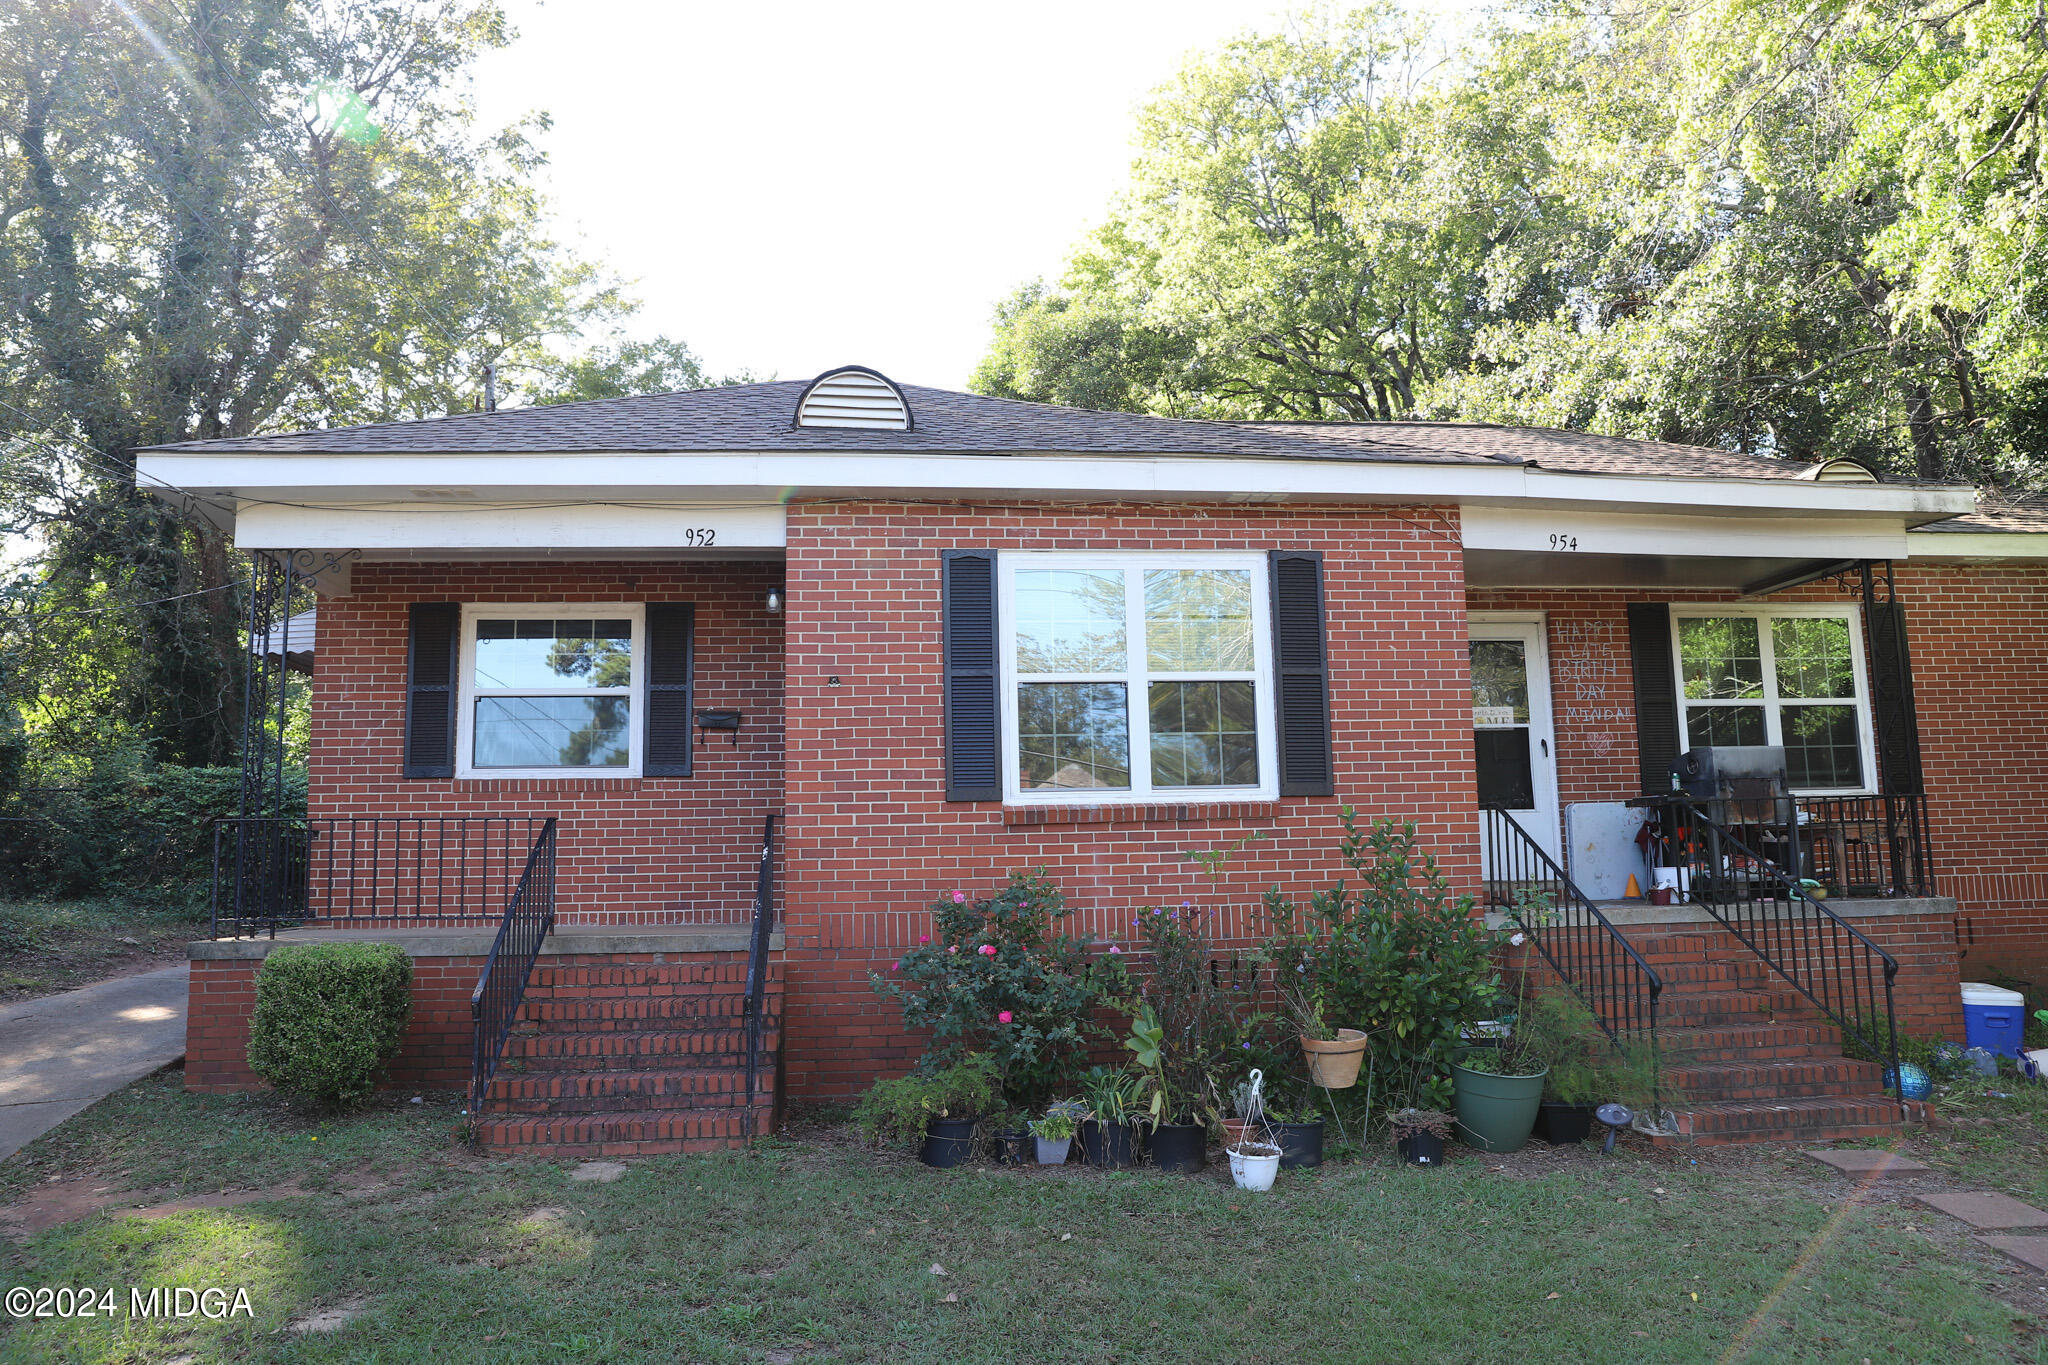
1590,955
757,963
354,870
1821,955
494,1004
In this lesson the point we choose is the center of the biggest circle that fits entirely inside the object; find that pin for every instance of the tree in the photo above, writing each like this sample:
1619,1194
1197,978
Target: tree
218,218
622,368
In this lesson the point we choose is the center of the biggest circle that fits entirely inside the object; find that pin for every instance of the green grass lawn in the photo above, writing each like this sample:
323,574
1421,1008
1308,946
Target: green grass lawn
48,946
809,1248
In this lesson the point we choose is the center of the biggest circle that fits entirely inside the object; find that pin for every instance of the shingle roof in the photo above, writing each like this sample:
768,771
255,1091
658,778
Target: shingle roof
1564,452
757,417
2015,516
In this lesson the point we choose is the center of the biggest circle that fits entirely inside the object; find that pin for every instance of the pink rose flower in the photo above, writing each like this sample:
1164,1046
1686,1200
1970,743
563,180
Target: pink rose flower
959,898
1003,1018
924,938
954,948
987,950
897,965
1114,949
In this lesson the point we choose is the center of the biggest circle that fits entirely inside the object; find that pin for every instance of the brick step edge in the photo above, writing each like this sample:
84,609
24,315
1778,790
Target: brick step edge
631,1133
1806,1119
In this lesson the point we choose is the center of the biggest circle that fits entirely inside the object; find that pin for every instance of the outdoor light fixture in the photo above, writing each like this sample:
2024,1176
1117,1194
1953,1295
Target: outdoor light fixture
1616,1117
774,602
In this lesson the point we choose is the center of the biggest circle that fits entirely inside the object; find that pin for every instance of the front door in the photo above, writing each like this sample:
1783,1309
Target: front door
1512,740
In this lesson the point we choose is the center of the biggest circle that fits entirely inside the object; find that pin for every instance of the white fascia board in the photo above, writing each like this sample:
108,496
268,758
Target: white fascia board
483,526
1568,532
1976,545
771,476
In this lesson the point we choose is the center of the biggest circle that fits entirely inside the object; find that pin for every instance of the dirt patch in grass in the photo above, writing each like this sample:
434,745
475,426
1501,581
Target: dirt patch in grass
47,947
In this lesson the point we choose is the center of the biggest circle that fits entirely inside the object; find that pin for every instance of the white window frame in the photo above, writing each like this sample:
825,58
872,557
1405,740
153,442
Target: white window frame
1136,677
467,692
1773,728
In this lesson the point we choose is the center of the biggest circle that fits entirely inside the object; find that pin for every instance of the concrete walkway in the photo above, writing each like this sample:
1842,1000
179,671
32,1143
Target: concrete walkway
64,1052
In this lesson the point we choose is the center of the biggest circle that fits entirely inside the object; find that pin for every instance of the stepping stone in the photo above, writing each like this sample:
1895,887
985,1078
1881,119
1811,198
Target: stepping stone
1994,1211
605,1172
2031,1252
1868,1161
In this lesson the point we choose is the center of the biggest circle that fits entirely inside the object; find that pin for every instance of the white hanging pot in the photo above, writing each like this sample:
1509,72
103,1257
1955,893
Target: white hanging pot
1253,1165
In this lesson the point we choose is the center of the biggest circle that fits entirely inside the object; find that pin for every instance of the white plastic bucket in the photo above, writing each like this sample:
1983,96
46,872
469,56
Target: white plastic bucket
1254,1165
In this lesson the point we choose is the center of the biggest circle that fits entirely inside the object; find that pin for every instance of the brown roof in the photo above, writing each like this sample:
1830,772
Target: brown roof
1999,513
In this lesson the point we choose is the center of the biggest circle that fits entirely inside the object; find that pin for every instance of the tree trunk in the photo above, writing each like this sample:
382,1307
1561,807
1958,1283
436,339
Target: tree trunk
1927,461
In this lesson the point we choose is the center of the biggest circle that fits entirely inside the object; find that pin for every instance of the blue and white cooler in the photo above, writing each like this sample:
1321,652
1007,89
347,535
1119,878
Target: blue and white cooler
1994,1018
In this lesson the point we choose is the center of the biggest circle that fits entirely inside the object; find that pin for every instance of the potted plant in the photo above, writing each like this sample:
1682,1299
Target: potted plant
1012,1141
1055,1135
937,1108
1333,1055
1112,1136
1247,1110
1557,1028
1176,1143
1296,1125
1419,1135
1253,1165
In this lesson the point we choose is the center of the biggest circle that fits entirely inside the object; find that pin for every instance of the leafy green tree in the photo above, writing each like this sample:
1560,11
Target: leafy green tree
217,219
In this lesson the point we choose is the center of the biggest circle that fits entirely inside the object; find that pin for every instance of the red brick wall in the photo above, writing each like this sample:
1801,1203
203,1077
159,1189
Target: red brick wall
438,1042
872,841
632,851
1979,641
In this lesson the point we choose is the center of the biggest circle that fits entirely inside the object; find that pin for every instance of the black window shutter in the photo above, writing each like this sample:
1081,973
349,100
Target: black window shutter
433,634
974,764
1658,741
1891,681
671,689
1301,673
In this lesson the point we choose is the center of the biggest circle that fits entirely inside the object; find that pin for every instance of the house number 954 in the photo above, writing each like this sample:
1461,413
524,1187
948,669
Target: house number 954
700,536
1561,540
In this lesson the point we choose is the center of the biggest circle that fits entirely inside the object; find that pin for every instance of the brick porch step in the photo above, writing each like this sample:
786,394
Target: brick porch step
653,1049
1769,1041
638,978
564,1093
624,1133
1805,1119
574,1013
1714,1008
1761,1081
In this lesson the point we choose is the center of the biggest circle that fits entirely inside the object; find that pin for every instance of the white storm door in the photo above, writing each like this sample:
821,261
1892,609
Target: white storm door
1513,743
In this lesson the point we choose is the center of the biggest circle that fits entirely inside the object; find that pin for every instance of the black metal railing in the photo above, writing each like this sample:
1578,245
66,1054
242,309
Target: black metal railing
494,1004
757,964
358,870
1570,933
1865,845
1758,899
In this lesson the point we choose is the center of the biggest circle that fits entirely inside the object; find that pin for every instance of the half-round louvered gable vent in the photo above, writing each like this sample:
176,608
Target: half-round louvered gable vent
853,396
1841,470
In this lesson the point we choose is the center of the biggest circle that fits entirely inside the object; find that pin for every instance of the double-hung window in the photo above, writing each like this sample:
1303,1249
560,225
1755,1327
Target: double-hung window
1790,676
550,691
1136,676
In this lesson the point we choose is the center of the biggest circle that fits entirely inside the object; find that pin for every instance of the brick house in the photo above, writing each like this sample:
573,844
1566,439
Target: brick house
570,661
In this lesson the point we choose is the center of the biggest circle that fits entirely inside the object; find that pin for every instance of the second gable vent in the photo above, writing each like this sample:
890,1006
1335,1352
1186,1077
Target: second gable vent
853,397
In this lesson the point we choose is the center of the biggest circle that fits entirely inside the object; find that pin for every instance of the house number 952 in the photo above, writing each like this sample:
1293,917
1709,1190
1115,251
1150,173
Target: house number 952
700,536
1562,540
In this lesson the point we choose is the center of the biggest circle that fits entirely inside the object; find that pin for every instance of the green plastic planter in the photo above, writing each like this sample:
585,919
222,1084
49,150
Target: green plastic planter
1495,1113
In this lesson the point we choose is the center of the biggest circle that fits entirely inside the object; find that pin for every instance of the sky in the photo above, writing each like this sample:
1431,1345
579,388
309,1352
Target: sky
798,186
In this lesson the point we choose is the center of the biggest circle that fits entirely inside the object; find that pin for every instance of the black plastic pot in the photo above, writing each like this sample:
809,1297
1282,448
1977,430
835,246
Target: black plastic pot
1014,1149
1111,1146
1421,1149
1180,1146
1301,1144
1562,1123
947,1142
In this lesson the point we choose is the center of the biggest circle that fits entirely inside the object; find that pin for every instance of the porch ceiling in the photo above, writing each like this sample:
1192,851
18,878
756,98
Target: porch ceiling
1538,569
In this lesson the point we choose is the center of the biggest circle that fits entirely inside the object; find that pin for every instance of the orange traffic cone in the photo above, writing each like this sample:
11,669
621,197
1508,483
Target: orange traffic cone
1635,888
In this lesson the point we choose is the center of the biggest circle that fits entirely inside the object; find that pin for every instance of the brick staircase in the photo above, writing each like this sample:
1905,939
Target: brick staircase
634,1058
1751,1059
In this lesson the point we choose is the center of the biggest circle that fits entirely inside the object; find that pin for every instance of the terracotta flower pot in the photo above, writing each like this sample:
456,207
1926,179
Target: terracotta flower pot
1235,1132
1334,1065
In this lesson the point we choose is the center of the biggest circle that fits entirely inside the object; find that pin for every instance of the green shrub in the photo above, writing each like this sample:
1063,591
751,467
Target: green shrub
896,1110
125,825
1400,957
329,1016
1001,982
